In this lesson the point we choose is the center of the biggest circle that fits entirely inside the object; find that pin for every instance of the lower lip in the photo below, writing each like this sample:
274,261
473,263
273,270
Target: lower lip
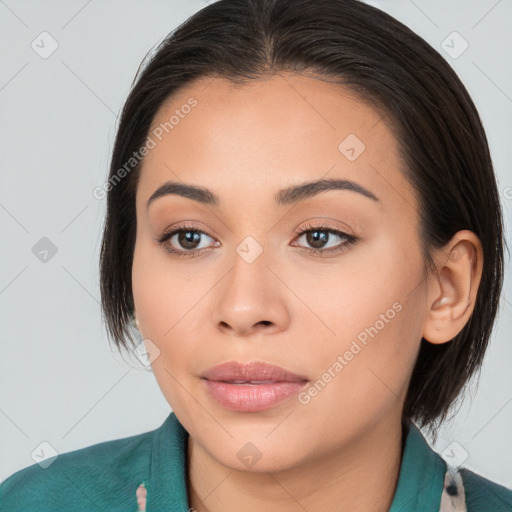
252,397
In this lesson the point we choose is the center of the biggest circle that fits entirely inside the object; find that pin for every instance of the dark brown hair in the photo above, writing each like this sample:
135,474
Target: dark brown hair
440,135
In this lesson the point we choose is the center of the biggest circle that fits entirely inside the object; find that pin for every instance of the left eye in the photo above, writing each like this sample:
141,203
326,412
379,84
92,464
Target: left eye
322,239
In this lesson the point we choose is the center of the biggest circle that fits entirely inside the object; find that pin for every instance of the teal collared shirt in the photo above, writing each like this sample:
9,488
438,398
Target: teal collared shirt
104,478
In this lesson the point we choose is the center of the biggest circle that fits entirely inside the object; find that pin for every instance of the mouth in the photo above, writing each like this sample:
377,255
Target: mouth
251,381
251,387
254,372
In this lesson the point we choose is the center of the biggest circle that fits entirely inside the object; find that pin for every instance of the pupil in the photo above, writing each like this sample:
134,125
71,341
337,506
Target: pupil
188,239
317,239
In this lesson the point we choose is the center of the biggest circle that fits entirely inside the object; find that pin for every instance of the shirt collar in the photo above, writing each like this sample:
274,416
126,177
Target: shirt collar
420,481
421,477
166,486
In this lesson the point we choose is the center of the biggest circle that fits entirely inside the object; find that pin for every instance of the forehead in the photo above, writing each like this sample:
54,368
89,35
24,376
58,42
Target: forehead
265,135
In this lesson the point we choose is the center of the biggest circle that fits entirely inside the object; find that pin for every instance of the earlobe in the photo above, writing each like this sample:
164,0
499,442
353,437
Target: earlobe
135,322
453,290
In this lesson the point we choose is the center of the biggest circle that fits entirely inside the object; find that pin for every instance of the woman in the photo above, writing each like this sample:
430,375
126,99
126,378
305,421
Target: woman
303,223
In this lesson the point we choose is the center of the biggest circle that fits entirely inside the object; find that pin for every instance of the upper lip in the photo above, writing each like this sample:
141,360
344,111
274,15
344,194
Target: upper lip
253,371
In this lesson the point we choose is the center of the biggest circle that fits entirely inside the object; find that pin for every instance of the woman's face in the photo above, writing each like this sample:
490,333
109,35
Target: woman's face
346,314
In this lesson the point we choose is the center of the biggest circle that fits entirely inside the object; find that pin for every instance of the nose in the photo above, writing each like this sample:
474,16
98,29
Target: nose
251,299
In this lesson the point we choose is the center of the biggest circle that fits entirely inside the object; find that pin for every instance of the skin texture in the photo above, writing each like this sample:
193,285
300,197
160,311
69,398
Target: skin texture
290,307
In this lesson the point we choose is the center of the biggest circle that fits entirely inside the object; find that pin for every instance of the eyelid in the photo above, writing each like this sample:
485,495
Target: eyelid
324,225
181,227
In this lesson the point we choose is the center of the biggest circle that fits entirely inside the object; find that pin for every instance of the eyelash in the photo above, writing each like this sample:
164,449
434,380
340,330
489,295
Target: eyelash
349,239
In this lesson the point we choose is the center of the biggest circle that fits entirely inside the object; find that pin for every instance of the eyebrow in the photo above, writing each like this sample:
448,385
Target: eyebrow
287,196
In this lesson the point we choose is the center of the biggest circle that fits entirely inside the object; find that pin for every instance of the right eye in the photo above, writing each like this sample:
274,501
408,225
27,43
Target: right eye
184,240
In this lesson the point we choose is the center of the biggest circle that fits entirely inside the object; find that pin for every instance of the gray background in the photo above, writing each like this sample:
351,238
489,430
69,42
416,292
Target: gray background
61,383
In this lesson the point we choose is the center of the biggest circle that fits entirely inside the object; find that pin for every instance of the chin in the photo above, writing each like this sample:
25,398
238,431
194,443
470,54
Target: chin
255,454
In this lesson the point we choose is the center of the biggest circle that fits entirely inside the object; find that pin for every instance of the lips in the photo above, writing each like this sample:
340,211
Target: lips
251,387
252,373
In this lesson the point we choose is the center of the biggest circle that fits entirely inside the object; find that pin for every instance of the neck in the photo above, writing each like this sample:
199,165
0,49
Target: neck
361,476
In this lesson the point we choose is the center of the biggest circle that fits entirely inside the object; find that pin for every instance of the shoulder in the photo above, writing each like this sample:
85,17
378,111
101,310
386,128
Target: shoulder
485,495
86,479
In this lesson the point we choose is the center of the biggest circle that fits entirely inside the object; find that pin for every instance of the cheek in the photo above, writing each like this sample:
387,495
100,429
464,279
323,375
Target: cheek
148,291
363,373
162,294
371,327
169,307
346,297
160,299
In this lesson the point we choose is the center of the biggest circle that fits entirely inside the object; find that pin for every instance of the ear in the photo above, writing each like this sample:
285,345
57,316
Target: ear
452,291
